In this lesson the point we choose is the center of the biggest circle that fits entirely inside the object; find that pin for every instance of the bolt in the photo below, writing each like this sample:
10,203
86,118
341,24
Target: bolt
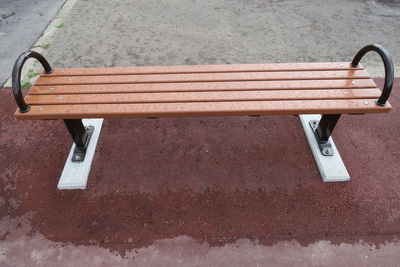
69,79
353,82
77,157
365,102
51,88
62,70
326,151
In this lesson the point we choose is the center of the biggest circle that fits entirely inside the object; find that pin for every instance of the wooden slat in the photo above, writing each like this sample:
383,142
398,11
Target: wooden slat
204,77
201,69
203,109
211,86
202,96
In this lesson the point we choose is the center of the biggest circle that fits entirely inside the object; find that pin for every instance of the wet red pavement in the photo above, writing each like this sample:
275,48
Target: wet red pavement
216,180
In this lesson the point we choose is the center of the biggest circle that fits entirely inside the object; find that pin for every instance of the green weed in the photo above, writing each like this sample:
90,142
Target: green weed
45,46
26,85
32,74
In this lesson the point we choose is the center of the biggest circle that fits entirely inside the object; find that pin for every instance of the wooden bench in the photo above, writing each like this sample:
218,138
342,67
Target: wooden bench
331,89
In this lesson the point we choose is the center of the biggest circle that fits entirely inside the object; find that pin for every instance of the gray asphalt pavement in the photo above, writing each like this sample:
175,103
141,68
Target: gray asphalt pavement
154,32
21,23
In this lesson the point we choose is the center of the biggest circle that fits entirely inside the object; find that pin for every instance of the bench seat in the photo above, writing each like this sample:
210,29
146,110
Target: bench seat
212,90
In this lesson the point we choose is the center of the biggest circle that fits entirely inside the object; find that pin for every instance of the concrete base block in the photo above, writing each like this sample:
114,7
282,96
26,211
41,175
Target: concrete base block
331,168
75,174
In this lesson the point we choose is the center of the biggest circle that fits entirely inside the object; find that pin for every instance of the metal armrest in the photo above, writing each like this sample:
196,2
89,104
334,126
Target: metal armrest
16,76
389,69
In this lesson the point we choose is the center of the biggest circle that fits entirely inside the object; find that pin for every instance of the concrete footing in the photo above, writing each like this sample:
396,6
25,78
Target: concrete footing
332,168
75,174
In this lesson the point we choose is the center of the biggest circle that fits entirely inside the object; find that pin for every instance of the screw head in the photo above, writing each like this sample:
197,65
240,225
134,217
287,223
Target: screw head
366,102
326,151
77,157
51,88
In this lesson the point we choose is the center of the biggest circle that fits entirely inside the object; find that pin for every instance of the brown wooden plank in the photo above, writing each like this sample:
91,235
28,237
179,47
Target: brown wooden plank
203,109
202,96
201,69
211,86
204,77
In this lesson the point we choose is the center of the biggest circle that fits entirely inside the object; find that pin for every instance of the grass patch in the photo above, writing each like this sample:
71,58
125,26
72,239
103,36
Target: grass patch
26,85
45,46
60,25
32,74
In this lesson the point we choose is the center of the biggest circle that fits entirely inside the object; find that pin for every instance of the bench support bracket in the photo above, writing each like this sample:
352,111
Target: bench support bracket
322,130
81,137
79,153
331,167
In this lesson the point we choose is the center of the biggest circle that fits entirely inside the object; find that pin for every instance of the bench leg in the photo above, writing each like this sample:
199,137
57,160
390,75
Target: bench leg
318,131
81,136
326,126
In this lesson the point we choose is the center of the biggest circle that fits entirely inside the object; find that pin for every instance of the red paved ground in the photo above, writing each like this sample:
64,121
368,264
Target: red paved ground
213,179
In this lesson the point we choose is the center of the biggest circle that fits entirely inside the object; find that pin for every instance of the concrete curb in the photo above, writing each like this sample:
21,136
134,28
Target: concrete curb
43,42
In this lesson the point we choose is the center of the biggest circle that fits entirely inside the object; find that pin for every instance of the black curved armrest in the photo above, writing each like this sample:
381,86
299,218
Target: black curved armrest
16,76
389,69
